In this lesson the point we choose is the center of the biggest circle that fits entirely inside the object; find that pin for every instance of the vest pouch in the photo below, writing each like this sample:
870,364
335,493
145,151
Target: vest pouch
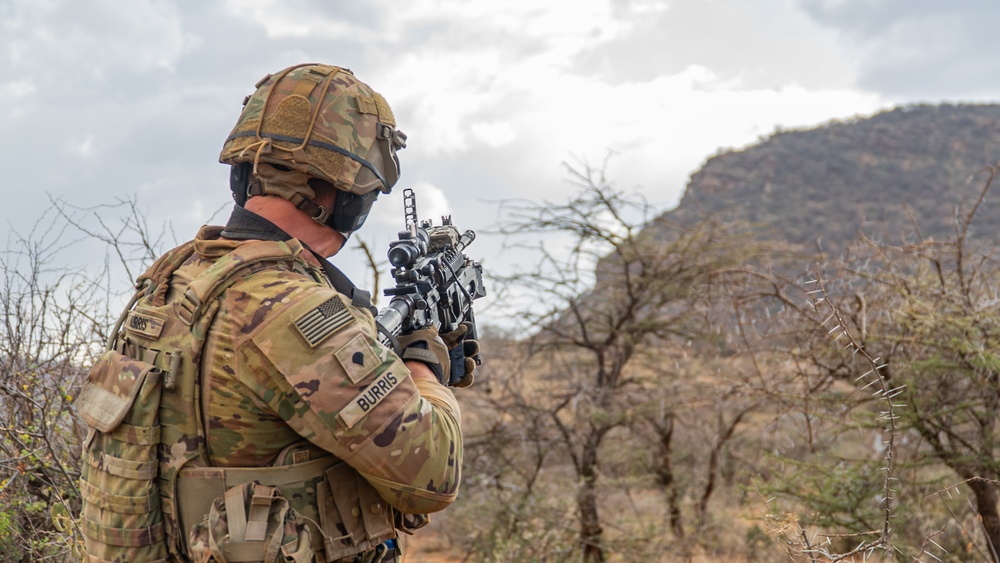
121,518
354,516
199,487
251,523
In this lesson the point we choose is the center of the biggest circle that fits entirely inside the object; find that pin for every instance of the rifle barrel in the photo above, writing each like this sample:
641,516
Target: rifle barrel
392,317
466,239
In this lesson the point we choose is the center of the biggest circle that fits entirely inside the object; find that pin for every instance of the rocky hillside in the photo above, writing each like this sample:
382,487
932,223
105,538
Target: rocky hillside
883,175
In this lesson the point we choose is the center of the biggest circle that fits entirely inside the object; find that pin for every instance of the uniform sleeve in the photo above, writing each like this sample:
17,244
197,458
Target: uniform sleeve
330,379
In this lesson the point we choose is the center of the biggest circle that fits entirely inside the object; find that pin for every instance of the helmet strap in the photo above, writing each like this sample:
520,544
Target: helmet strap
350,211
347,215
240,175
266,146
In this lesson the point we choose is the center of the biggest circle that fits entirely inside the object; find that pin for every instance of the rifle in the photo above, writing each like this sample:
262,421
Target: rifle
436,282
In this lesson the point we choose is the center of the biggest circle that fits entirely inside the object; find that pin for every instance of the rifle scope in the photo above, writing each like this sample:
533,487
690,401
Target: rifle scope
405,251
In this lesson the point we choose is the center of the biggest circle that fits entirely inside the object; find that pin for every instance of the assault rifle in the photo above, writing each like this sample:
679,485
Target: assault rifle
435,281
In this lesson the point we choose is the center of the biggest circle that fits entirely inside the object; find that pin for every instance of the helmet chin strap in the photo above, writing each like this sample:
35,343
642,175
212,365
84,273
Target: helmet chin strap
323,216
347,215
240,175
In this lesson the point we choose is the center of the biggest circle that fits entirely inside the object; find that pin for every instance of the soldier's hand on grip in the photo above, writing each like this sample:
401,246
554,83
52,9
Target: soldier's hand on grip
424,345
461,351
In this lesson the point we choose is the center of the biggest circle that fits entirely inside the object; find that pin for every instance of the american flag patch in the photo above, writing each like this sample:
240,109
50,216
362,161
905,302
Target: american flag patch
323,321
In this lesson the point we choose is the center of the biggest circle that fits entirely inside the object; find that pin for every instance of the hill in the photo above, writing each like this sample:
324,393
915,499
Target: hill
883,175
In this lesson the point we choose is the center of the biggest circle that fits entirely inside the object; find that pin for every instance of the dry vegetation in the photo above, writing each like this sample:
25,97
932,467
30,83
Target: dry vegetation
742,414
677,397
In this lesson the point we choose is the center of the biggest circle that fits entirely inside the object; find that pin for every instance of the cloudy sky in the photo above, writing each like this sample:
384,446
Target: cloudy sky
102,100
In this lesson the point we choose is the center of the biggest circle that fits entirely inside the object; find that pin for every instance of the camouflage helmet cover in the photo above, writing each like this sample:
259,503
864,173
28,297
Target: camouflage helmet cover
321,121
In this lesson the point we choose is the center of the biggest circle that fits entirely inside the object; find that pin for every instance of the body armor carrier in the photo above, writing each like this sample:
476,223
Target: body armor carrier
149,492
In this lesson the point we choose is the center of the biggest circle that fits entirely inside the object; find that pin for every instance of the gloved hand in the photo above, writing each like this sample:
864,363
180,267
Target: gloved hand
426,346
448,355
461,351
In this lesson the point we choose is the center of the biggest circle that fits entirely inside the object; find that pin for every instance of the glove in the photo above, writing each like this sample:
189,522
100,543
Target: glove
426,346
461,351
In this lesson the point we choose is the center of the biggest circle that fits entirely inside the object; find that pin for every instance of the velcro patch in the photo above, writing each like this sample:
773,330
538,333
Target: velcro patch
372,396
366,105
357,358
319,323
144,324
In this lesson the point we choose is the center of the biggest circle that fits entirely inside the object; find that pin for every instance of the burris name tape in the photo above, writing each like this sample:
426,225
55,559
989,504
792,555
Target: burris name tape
365,402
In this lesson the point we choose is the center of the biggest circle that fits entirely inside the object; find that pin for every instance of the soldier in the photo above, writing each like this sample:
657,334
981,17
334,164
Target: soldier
245,409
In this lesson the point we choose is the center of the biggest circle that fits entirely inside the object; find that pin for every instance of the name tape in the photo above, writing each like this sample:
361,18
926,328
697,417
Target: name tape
372,396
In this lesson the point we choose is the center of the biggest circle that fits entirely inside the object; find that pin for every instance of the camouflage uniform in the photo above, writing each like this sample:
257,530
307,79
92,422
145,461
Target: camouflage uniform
292,372
275,380
245,409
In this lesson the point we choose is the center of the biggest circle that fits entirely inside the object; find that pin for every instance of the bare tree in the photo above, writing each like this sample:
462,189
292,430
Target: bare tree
55,314
373,267
50,328
617,296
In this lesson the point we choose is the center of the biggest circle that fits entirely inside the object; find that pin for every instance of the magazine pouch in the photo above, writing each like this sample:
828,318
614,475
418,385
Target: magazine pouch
353,515
121,518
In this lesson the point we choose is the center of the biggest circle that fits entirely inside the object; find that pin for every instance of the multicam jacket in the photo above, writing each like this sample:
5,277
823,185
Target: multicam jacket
292,375
288,357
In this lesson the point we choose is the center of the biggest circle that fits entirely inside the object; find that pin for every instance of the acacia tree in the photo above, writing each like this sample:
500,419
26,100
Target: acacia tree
918,326
617,296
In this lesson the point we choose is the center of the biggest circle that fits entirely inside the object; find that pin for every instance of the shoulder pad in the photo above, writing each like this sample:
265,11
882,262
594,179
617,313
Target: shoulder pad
222,273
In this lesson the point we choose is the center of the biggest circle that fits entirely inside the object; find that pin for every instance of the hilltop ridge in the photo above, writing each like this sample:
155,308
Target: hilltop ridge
881,175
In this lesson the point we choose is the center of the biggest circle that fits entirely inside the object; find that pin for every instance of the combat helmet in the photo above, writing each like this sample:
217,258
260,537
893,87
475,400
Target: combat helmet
315,121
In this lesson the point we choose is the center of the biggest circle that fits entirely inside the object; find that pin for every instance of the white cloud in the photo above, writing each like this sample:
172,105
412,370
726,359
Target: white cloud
432,203
916,50
441,94
578,22
495,133
283,19
15,96
504,76
90,40
662,128
18,89
673,126
85,147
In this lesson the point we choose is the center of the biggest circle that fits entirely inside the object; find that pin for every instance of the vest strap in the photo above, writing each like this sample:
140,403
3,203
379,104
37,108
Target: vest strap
140,470
276,476
139,435
123,537
236,514
260,505
88,558
245,551
122,504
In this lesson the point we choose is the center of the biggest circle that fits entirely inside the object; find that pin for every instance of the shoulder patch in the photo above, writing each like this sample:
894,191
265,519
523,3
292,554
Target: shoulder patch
357,358
317,324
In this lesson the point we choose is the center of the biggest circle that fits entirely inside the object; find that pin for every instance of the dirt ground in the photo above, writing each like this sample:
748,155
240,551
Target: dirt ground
428,547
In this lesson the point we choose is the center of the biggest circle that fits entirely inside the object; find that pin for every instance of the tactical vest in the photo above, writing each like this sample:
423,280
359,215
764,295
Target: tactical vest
149,493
